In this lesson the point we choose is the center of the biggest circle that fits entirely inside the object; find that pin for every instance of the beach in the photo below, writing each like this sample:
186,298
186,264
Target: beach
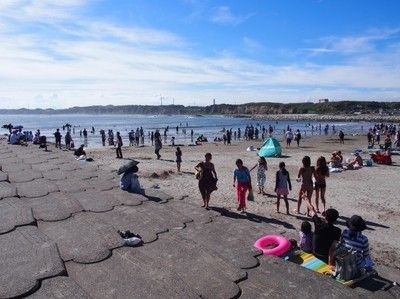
61,217
369,192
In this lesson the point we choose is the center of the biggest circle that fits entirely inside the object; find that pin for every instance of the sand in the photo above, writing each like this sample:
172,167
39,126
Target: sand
371,192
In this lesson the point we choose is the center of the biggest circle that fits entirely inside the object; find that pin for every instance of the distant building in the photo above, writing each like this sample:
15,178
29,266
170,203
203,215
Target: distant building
323,100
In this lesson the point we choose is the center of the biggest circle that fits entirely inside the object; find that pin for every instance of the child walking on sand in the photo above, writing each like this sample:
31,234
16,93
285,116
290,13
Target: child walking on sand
305,237
305,175
282,182
178,155
261,177
242,182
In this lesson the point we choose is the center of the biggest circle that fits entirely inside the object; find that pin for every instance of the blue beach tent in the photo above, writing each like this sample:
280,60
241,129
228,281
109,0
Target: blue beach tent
270,148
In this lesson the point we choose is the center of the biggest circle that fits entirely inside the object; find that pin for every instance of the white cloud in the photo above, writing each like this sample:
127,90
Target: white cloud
223,15
356,44
97,62
40,10
147,36
252,45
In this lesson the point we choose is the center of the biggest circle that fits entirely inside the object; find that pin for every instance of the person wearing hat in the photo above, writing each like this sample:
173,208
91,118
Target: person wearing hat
356,162
129,179
354,239
326,235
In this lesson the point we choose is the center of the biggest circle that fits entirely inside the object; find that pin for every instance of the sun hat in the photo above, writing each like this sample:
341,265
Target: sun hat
131,166
356,223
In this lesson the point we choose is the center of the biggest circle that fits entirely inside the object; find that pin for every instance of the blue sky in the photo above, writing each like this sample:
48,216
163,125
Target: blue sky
64,53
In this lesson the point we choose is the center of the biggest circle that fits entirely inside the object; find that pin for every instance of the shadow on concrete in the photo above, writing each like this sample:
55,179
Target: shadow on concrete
251,217
370,224
377,283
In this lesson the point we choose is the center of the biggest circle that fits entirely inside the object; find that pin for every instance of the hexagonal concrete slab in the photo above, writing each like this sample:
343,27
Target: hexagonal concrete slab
157,195
120,277
60,287
36,188
54,206
55,175
7,190
3,176
27,256
6,167
126,198
13,213
83,237
95,201
148,219
72,185
22,176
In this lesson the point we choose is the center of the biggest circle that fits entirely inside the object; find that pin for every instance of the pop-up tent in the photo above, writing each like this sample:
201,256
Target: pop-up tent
270,148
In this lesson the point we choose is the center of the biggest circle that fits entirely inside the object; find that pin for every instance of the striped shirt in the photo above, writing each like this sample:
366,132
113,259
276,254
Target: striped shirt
359,242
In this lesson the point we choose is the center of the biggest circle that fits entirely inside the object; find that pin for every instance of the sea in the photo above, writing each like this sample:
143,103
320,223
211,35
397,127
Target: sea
179,126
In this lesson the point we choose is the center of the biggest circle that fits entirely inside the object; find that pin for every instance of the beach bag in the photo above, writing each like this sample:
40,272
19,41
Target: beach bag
346,262
250,196
131,239
214,184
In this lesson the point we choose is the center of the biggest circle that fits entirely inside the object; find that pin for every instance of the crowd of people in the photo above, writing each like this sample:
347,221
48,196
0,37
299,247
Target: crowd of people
321,242
324,239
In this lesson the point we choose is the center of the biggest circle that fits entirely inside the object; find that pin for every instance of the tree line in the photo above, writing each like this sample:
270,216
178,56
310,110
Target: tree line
248,109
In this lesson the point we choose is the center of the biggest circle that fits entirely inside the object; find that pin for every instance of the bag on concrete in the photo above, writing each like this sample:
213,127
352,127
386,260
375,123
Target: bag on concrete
346,262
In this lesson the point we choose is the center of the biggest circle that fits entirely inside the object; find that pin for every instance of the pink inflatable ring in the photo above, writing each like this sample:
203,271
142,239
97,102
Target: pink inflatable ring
282,245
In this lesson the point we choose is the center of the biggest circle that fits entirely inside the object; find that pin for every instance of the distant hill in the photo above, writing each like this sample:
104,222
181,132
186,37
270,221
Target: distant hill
249,109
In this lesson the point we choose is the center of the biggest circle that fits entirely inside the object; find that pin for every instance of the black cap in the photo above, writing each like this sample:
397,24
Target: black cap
331,215
356,223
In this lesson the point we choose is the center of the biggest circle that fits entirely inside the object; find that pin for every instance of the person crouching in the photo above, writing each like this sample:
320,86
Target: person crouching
130,181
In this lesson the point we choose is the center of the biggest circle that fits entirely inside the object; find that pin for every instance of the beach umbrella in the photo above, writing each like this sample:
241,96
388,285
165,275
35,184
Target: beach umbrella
128,166
18,127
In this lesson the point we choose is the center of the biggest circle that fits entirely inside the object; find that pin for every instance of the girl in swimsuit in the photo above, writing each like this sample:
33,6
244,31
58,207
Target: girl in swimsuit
321,172
305,175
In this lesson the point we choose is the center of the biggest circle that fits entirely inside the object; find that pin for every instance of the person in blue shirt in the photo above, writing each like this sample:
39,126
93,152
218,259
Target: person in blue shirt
354,239
130,181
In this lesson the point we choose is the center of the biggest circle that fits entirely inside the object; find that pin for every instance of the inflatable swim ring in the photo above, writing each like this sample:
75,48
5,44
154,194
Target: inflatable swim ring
283,245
